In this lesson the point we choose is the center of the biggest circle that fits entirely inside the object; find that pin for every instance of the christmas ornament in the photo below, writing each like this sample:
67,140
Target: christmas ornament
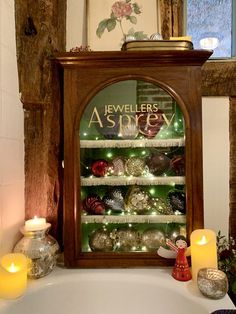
100,241
118,166
93,204
161,206
100,168
105,128
158,163
138,200
176,199
173,234
152,239
135,166
114,200
126,239
129,131
150,123
178,165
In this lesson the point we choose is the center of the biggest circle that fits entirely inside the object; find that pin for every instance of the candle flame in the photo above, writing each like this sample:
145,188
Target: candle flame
202,241
13,268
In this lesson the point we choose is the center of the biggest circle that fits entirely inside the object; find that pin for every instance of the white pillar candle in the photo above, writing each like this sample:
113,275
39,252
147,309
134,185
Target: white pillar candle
35,224
13,275
203,250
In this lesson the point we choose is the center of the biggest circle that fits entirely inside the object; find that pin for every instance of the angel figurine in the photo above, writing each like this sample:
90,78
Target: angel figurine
179,251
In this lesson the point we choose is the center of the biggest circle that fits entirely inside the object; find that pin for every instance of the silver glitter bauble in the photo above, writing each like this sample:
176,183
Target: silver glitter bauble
135,166
152,239
129,131
114,200
173,234
137,200
100,241
126,239
118,166
156,36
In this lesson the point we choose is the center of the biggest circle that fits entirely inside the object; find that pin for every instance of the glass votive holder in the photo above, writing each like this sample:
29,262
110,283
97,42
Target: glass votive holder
212,283
41,249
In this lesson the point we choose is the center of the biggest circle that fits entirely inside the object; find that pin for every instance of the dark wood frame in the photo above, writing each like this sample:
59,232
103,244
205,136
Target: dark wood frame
179,73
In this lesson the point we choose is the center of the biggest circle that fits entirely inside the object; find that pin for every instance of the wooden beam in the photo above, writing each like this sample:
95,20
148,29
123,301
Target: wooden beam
219,78
40,32
232,137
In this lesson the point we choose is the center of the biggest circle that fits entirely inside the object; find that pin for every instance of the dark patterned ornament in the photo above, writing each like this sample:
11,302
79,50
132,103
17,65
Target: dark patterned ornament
150,123
93,204
137,200
105,127
158,163
152,239
118,166
114,200
178,165
126,239
135,166
162,207
177,201
100,168
100,241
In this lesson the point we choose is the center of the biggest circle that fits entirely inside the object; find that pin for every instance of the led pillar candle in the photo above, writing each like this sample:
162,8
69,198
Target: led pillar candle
203,250
36,224
13,275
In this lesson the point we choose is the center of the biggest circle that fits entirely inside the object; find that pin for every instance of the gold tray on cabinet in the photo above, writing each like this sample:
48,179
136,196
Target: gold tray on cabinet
157,45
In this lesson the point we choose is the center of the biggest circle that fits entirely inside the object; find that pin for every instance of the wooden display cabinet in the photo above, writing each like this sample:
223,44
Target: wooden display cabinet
132,154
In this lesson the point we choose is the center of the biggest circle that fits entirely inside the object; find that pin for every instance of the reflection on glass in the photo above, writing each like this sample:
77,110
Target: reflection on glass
210,21
132,165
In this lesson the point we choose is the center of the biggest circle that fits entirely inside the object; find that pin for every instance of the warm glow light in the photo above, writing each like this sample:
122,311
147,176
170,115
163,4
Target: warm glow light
203,250
13,268
13,275
202,241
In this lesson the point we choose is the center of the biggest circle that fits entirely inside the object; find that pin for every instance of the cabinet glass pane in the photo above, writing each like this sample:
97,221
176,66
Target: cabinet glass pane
132,168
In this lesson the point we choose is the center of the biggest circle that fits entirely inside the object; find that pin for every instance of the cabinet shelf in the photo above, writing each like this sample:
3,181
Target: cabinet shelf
175,142
130,180
133,219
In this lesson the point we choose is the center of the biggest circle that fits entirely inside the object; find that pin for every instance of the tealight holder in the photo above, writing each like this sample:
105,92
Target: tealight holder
212,283
41,249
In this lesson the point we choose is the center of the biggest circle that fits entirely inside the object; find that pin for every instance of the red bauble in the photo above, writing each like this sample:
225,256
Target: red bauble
150,123
99,168
93,204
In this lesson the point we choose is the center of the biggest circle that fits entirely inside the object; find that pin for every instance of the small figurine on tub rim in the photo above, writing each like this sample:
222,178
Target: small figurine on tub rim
179,251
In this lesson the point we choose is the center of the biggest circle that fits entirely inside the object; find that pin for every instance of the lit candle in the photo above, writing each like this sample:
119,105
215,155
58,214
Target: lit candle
203,250
13,275
36,224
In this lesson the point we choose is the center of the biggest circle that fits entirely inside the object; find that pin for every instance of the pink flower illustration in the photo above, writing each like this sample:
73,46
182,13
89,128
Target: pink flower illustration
121,9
